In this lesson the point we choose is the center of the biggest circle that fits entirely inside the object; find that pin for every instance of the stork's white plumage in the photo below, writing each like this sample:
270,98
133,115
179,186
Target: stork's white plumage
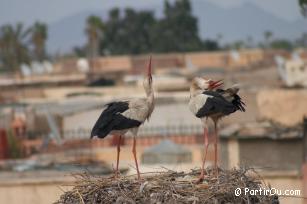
208,102
121,117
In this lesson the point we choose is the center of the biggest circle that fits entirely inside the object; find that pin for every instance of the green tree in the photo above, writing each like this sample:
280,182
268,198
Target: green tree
138,26
267,37
303,5
178,30
129,34
38,39
111,41
210,45
79,51
94,31
281,44
14,46
135,32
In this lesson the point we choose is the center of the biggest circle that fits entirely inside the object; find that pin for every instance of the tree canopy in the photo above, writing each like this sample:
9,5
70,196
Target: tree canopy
94,30
178,30
20,44
128,34
38,39
13,44
134,32
303,5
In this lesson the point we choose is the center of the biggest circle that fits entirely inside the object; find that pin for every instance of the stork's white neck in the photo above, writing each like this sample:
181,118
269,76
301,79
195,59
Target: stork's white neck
150,99
194,91
150,95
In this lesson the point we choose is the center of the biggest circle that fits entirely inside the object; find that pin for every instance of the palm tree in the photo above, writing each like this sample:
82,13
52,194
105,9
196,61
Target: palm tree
38,39
268,36
94,31
14,47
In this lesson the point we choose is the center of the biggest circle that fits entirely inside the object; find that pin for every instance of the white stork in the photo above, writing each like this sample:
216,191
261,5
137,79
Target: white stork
121,117
208,102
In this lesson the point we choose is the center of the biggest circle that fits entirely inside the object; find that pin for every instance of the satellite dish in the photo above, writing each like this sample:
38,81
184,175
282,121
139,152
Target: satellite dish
25,70
37,68
83,65
48,67
235,55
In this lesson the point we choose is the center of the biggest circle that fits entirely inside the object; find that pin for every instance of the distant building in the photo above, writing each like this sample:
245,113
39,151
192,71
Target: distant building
263,145
293,72
166,152
276,152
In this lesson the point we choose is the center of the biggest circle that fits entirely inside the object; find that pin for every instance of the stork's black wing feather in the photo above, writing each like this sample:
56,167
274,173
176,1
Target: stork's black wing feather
215,105
218,104
236,99
112,119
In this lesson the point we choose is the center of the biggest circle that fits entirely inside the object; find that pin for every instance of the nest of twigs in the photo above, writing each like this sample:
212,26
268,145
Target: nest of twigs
169,187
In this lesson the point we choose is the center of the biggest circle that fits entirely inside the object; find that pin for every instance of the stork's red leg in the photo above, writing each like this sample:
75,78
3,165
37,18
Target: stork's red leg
135,159
215,147
118,152
206,144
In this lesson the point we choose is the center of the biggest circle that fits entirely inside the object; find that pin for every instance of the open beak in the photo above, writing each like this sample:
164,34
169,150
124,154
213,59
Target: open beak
149,70
215,84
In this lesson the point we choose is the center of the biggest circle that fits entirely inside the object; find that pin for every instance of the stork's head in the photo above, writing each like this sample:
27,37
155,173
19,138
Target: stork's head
213,84
199,83
148,79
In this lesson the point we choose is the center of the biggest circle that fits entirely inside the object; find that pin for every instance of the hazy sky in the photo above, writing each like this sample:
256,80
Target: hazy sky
50,11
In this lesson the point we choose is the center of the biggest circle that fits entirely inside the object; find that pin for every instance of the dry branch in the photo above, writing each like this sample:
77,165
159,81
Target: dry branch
168,187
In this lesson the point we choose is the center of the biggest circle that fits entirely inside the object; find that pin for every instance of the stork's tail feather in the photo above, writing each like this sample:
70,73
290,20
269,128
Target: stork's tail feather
100,133
239,104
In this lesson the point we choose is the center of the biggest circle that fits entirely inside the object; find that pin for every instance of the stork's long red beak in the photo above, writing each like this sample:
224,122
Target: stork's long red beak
149,70
215,84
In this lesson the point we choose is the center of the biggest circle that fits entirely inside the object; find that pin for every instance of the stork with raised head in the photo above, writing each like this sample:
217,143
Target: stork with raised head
206,101
121,117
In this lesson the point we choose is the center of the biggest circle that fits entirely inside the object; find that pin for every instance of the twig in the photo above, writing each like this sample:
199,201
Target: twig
81,199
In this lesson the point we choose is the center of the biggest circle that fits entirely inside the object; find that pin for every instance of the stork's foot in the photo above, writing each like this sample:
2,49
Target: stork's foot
216,172
116,175
140,180
201,178
139,177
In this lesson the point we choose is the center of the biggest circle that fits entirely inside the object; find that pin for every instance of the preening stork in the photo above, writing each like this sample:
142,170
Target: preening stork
121,117
206,101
